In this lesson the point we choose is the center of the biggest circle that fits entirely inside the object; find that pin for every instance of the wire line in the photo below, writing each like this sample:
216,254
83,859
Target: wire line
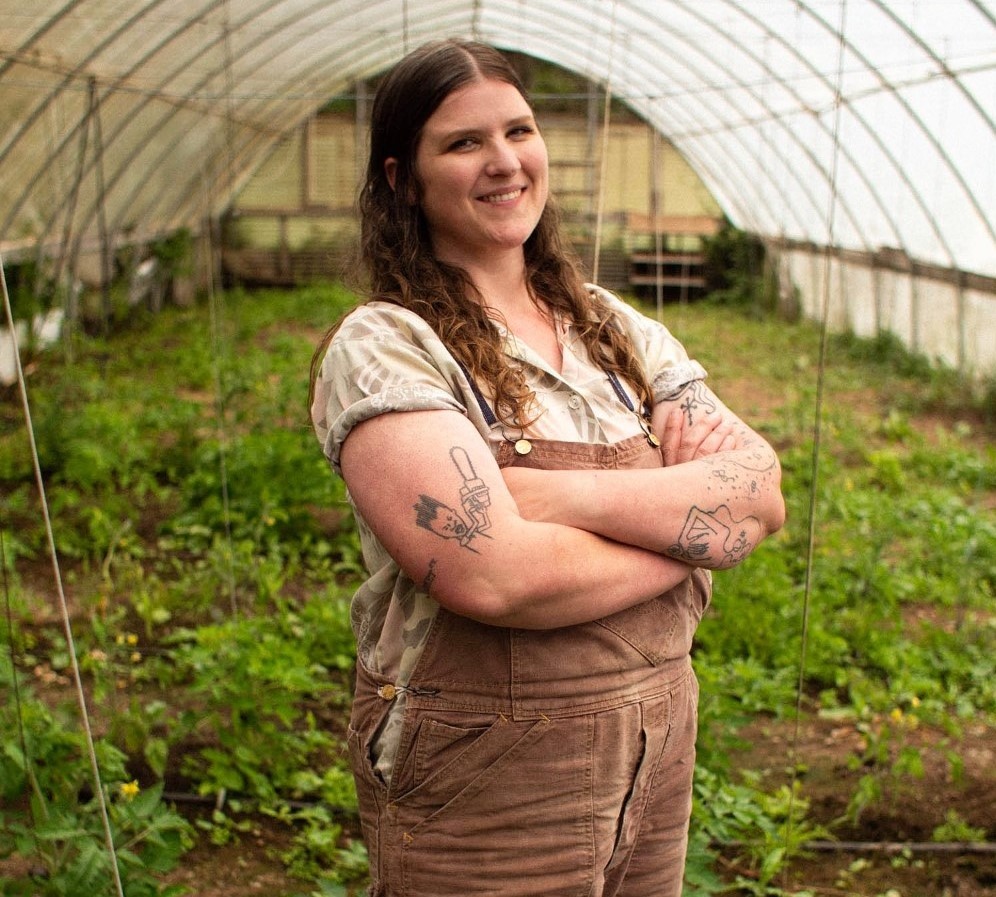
603,162
817,420
61,594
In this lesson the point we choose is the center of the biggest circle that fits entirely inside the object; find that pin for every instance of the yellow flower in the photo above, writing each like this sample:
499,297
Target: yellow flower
896,715
131,638
136,656
130,789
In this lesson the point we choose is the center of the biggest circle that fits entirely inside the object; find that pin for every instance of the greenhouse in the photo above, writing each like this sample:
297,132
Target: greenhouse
802,191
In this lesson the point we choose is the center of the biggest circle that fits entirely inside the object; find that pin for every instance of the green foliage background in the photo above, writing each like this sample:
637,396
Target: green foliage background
209,556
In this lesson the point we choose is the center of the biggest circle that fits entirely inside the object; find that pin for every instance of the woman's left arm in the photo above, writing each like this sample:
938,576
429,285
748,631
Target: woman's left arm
717,497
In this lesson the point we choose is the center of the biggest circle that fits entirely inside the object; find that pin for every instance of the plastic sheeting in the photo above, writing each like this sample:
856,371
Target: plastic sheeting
858,123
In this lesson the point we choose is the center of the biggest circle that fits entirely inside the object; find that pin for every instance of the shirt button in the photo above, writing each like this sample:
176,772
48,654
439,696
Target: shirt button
574,402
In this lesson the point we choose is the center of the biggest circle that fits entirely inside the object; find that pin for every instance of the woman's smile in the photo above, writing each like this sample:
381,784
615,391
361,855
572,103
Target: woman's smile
507,196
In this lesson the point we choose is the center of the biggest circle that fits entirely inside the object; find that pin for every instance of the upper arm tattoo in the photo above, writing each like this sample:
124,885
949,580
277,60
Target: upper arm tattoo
475,499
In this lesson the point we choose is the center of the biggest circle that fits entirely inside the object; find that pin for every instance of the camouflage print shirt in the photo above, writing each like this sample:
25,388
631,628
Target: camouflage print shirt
385,359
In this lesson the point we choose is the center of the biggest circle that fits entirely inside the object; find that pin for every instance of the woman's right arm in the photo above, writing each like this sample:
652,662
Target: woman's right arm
429,488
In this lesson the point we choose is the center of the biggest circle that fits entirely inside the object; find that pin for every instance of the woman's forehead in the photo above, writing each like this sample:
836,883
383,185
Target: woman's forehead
482,101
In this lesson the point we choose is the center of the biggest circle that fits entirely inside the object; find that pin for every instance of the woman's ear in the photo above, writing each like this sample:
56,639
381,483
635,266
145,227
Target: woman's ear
391,173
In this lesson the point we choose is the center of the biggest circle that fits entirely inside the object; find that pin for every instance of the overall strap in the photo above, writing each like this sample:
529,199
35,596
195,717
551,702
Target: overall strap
617,386
486,410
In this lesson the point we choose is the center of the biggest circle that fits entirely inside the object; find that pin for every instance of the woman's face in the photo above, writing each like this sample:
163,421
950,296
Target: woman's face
482,167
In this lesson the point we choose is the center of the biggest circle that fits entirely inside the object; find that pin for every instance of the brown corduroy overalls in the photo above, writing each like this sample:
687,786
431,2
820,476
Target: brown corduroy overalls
539,763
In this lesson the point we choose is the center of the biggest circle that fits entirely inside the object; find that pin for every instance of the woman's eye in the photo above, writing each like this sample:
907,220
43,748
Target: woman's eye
521,131
462,143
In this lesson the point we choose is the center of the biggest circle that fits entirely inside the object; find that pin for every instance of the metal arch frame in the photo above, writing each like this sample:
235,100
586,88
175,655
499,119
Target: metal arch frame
963,90
155,93
786,205
750,153
845,153
779,117
38,32
269,137
158,92
916,119
900,172
71,134
75,72
941,65
129,203
258,138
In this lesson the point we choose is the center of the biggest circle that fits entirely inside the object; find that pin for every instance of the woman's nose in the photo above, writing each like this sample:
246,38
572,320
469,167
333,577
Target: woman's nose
502,158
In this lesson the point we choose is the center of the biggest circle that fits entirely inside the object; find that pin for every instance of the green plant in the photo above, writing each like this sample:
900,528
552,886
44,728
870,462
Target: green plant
954,828
764,829
251,683
319,850
53,821
217,640
737,272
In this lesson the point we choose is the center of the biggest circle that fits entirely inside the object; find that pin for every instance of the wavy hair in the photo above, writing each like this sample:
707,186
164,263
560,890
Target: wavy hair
396,248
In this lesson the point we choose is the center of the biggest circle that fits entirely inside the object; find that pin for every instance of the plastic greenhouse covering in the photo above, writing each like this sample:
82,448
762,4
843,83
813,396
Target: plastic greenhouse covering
857,123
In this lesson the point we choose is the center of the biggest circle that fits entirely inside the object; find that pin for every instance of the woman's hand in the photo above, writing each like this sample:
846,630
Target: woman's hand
717,497
683,441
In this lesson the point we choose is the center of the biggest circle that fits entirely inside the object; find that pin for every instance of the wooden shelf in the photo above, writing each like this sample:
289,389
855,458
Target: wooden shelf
692,259
674,271
667,280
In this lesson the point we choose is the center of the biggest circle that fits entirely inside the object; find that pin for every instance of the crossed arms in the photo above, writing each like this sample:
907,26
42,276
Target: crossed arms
540,549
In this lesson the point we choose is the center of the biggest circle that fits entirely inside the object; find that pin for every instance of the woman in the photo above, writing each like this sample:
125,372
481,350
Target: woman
542,482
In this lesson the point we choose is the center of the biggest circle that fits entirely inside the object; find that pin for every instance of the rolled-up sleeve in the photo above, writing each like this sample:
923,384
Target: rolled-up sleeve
381,360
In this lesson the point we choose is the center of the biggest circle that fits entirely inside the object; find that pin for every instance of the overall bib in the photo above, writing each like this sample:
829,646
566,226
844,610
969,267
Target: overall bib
539,763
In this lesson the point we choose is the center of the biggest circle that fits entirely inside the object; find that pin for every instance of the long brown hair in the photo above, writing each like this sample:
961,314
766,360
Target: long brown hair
396,248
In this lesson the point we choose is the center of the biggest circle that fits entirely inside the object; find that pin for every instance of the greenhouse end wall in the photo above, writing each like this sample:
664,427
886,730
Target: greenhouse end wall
945,316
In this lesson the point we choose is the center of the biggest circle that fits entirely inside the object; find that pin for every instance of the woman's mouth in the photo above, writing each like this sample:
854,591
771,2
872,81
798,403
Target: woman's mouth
507,196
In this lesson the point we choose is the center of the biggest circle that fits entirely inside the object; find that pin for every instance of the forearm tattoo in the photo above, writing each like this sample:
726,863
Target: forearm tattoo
714,539
744,478
447,522
744,475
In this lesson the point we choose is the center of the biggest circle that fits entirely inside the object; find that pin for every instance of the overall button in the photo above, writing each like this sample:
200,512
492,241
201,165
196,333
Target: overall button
574,402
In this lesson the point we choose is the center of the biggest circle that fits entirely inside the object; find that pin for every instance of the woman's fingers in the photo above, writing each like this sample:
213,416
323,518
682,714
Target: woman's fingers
707,436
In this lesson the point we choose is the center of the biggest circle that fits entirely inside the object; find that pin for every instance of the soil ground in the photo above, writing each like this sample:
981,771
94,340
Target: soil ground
871,858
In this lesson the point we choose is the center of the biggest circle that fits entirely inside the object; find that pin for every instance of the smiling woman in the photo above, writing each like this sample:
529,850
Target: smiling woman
482,167
542,482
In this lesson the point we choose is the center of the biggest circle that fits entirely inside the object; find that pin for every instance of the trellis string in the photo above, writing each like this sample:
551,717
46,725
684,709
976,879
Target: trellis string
99,795
818,416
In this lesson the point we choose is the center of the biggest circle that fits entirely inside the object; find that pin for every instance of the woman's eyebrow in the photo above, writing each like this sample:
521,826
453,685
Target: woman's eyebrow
446,136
